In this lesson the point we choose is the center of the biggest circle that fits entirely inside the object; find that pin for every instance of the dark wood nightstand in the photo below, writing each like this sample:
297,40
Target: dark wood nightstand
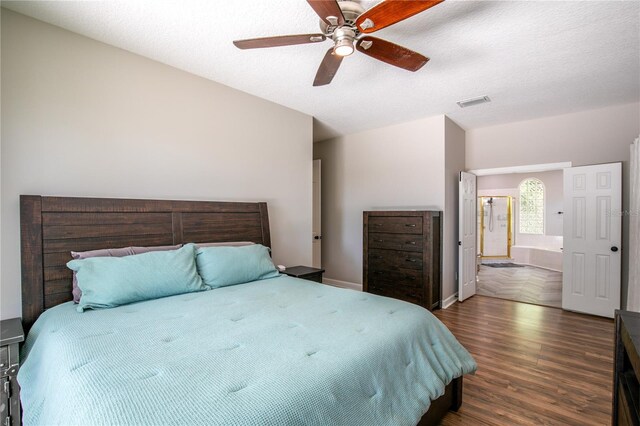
11,335
305,273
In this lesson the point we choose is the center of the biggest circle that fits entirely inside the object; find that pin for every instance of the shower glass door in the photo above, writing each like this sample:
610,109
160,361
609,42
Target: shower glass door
495,224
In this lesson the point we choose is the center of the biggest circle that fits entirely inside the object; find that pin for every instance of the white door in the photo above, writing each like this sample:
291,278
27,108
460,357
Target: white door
317,230
592,239
467,219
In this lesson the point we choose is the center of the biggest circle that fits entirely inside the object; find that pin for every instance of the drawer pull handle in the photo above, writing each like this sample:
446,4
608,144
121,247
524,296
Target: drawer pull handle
379,272
379,241
410,278
413,243
411,260
410,225
377,257
377,224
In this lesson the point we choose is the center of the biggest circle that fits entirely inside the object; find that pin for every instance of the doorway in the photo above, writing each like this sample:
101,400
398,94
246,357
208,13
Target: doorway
520,236
569,242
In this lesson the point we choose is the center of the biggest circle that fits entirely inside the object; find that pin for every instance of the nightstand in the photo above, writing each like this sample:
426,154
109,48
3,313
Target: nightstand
305,273
11,335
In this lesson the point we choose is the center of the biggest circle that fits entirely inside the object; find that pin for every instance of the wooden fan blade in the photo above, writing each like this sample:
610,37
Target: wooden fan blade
391,11
288,40
391,53
328,68
326,9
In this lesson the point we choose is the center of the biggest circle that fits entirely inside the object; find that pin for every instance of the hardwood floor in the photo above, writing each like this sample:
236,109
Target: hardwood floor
524,284
536,365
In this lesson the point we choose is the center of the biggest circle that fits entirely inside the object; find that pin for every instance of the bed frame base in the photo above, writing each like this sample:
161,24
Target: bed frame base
450,401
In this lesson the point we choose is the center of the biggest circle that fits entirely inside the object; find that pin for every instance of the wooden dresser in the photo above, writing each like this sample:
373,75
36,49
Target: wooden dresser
401,255
626,375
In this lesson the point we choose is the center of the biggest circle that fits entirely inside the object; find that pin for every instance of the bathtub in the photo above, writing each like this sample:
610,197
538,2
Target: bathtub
548,258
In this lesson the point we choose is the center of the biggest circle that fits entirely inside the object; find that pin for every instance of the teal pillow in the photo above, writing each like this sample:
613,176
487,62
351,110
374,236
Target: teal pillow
223,266
107,282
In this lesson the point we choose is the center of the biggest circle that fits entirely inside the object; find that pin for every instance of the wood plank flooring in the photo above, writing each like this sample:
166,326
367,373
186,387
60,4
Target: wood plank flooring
536,365
525,284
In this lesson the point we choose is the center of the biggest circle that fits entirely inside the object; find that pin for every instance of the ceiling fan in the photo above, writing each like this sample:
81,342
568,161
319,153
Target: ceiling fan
346,23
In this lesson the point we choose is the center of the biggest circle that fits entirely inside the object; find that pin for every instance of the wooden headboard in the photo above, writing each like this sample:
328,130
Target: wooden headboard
52,227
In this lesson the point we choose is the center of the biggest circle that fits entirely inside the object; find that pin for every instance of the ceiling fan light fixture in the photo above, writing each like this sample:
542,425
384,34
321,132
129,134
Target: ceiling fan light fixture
344,38
343,47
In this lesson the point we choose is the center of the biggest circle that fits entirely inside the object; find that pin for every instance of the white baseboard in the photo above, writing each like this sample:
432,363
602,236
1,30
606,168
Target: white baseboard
342,284
450,300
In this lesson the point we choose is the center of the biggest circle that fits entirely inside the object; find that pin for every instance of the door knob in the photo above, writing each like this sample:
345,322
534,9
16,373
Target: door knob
614,249
317,237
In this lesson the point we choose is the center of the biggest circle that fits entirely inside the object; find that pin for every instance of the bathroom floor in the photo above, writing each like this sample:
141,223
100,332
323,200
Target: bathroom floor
526,284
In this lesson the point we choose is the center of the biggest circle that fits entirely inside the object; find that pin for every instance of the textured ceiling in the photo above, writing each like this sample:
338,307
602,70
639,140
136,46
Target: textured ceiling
532,58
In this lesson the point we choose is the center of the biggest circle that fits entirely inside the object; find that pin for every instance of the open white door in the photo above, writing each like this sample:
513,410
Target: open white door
316,218
592,239
467,220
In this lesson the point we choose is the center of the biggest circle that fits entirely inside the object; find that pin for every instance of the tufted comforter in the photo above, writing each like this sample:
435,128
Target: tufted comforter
281,351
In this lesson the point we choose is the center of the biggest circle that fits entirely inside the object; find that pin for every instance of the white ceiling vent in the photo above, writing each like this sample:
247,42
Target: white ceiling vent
473,101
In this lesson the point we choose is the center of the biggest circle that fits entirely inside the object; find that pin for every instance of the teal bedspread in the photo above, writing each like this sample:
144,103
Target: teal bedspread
281,351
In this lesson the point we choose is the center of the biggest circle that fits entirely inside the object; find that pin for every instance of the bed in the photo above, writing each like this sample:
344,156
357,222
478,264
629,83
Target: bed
276,351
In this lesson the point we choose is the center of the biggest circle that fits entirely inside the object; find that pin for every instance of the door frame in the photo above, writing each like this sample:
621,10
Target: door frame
530,168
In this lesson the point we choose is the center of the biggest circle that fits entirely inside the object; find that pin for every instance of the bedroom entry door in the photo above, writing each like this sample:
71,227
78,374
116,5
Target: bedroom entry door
592,239
467,220
316,232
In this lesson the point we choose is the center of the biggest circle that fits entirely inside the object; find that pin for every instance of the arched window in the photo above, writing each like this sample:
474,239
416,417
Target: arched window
531,206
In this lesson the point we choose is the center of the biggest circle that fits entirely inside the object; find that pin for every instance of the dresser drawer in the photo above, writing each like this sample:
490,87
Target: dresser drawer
381,260
396,224
406,242
407,294
400,277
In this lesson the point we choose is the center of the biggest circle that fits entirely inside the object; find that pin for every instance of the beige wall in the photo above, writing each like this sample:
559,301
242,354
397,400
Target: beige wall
395,167
454,164
83,118
589,137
